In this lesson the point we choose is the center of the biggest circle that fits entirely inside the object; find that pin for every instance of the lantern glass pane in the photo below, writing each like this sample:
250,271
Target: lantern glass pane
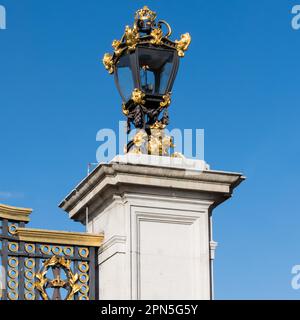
165,76
125,79
147,80
155,66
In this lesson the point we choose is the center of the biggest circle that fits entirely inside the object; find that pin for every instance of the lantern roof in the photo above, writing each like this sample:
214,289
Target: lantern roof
145,31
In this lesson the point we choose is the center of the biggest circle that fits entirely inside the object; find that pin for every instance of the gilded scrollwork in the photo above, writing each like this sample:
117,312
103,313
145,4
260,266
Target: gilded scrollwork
156,35
108,62
140,141
116,44
159,143
158,125
166,100
183,44
131,37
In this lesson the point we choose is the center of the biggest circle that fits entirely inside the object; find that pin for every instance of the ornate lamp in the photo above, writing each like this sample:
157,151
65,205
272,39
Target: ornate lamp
145,63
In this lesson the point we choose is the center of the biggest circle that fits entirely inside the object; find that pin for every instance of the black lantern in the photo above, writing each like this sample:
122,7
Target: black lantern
150,69
145,63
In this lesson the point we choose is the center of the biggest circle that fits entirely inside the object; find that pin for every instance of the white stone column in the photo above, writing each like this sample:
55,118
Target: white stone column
155,214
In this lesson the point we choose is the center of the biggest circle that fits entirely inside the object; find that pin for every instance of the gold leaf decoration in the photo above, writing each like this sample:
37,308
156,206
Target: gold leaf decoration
43,282
166,101
117,49
108,62
145,14
183,44
156,35
131,37
124,110
137,96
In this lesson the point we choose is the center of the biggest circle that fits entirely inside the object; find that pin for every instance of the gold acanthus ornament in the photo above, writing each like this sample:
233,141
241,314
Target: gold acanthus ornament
183,44
131,37
140,141
166,100
140,138
156,35
156,144
159,144
157,126
138,96
117,49
108,62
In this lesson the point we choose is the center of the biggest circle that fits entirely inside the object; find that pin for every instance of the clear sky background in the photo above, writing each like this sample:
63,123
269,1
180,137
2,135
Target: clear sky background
239,81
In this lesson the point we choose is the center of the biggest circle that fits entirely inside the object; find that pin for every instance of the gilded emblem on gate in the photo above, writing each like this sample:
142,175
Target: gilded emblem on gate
70,283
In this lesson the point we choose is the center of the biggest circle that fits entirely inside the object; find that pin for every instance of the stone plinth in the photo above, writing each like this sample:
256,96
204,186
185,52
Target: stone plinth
156,219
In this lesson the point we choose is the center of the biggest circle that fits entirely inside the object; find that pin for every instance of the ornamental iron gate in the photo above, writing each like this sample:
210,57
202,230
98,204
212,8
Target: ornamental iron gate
42,264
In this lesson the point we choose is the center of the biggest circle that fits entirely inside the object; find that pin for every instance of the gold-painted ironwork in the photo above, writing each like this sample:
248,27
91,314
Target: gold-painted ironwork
138,96
12,229
29,263
156,144
71,282
124,110
84,289
83,266
157,36
116,44
68,251
29,274
84,278
23,250
183,44
132,38
108,62
46,249
145,14
29,247
29,296
157,126
57,250
159,143
29,285
83,252
167,35
12,284
166,100
13,262
140,140
59,238
13,273
13,246
13,295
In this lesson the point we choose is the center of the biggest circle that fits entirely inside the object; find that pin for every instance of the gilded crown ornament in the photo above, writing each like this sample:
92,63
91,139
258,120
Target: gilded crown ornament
145,14
145,63
71,283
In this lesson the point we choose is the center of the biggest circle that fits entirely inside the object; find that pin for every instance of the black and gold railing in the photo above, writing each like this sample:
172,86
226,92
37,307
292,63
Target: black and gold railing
45,265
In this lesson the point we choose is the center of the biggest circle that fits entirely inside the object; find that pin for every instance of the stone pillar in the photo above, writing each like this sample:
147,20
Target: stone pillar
155,213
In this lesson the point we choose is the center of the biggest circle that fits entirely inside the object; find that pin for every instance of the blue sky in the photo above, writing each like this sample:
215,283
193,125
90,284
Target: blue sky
239,81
